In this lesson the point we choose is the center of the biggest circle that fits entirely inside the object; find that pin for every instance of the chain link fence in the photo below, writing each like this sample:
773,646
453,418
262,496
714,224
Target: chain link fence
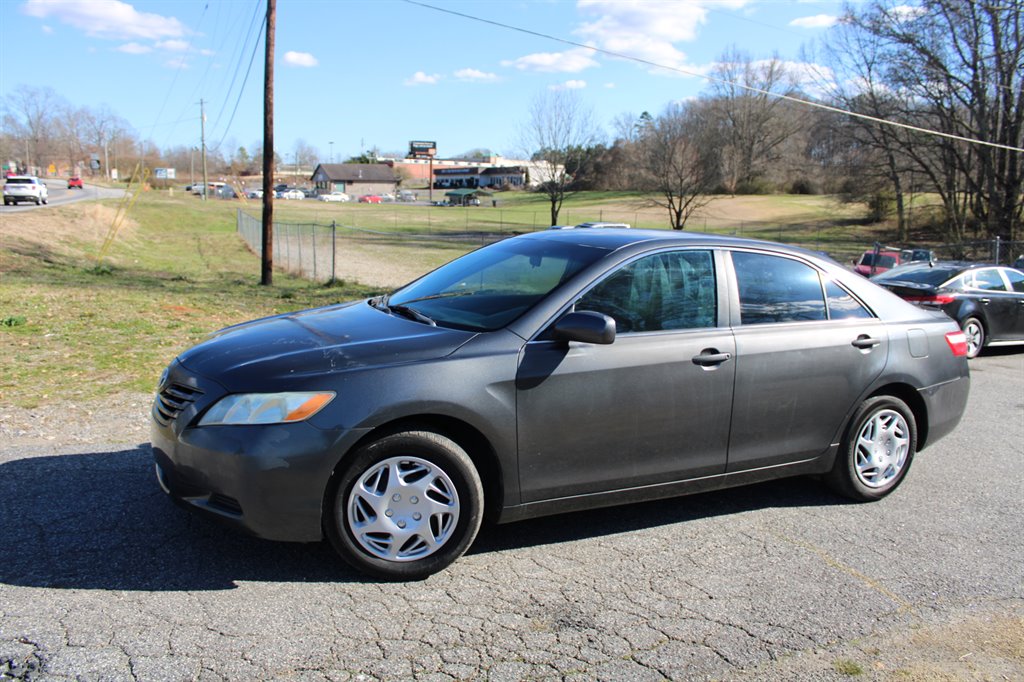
323,252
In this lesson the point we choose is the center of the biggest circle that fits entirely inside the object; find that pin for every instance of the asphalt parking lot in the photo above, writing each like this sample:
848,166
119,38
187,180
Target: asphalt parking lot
101,577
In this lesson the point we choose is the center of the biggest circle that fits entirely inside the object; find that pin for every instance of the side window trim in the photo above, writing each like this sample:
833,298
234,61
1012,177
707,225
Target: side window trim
735,313
718,262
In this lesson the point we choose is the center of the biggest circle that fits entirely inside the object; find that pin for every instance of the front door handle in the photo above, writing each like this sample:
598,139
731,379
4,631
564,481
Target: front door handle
865,342
710,358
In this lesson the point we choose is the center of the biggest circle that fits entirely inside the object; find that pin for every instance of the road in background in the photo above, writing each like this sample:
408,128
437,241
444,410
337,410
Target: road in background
103,578
59,195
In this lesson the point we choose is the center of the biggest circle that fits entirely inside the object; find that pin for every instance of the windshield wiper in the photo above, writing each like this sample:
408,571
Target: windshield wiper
381,303
412,313
445,294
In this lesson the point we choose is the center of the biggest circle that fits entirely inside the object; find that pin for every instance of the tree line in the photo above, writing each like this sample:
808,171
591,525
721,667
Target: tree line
936,93
937,99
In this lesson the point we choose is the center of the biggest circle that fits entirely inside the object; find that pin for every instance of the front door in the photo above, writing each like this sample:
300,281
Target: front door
652,407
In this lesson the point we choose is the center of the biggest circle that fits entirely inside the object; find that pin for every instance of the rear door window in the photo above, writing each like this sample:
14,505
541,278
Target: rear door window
775,289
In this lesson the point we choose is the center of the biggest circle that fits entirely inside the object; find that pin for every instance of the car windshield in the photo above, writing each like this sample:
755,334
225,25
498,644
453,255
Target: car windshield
19,181
929,275
489,288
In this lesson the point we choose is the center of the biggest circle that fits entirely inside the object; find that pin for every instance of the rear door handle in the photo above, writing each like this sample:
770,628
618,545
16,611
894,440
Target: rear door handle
710,358
865,342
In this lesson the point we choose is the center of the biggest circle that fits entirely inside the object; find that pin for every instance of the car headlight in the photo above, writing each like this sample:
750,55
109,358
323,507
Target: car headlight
266,408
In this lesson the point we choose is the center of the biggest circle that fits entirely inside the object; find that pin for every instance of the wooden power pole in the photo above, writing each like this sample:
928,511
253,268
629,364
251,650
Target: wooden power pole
267,269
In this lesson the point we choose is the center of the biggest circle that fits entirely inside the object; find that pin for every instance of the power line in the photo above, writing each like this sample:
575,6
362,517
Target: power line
241,49
241,90
715,79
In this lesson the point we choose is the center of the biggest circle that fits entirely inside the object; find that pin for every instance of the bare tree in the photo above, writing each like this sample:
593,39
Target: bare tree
675,160
70,131
306,156
753,123
559,132
958,66
33,111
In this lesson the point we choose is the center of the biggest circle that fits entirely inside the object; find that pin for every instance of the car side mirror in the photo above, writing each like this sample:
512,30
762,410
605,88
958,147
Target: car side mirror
585,326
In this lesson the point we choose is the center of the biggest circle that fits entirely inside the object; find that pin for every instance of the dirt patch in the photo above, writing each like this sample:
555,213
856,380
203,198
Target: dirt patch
986,644
118,418
63,230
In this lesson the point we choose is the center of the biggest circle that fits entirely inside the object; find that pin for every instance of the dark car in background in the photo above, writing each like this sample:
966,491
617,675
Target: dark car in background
552,372
986,300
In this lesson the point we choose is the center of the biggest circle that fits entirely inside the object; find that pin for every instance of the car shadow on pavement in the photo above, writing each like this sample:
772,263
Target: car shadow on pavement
100,521
791,492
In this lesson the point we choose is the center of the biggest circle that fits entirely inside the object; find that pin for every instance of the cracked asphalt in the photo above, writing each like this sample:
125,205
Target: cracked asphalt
102,578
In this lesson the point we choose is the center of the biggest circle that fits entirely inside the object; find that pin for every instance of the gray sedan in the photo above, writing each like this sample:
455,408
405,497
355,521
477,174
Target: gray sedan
552,372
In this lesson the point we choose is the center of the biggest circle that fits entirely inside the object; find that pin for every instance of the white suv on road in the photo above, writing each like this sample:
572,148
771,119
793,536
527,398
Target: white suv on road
25,188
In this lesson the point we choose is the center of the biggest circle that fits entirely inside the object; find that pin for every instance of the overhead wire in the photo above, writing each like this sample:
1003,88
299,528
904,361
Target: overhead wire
240,50
241,90
177,72
715,79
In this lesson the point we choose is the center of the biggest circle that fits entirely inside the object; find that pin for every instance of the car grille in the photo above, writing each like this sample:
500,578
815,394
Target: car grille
172,400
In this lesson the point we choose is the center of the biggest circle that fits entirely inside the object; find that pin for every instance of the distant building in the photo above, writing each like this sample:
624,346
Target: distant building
494,171
355,179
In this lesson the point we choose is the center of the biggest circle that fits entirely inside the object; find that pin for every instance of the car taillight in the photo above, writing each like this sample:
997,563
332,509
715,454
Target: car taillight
957,343
936,299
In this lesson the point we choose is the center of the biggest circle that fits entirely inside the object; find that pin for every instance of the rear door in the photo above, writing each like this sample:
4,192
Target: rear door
998,303
805,352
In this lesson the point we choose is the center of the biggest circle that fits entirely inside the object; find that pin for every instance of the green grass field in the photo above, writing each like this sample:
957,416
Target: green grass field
75,328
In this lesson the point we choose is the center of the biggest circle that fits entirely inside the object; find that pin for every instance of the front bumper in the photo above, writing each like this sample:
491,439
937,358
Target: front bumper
266,480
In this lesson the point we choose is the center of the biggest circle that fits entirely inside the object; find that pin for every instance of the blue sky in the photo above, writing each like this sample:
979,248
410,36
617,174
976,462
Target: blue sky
379,73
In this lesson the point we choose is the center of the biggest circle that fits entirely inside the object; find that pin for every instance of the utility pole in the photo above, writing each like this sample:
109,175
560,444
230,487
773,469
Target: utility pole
267,260
202,137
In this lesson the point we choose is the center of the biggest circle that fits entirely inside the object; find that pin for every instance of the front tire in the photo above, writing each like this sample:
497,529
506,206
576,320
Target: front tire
877,451
405,507
975,332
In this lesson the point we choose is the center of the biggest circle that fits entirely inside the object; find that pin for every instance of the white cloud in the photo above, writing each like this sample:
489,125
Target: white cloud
109,19
134,48
569,85
300,59
172,45
817,21
475,75
907,12
647,30
610,86
421,78
570,61
47,29
177,63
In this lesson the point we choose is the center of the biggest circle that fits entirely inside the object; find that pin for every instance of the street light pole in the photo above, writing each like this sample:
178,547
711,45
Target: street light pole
332,151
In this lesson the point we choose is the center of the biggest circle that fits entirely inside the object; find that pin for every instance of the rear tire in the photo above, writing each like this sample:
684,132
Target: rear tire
877,451
405,507
975,332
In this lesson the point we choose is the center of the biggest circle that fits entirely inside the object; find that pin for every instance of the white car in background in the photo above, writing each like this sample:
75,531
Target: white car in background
20,188
293,194
335,196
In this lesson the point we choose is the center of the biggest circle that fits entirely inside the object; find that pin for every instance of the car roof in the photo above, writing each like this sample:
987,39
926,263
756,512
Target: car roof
616,238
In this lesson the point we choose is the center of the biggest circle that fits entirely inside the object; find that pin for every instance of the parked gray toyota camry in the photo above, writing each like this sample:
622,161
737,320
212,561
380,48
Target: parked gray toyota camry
550,372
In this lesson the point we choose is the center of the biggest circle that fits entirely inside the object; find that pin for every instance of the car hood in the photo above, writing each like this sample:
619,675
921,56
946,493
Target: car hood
316,342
